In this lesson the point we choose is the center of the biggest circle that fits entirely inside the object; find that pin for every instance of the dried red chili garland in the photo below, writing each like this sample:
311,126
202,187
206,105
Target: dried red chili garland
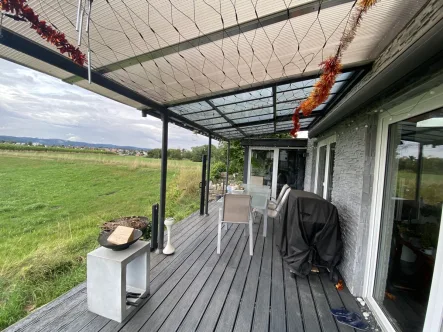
22,11
331,67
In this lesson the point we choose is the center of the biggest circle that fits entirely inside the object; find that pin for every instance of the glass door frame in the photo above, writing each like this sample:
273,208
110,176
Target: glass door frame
276,151
326,142
425,102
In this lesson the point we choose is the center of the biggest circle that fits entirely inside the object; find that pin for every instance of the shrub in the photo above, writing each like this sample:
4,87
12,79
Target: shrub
216,169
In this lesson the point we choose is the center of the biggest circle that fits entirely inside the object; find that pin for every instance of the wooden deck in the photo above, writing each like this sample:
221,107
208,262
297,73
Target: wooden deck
197,290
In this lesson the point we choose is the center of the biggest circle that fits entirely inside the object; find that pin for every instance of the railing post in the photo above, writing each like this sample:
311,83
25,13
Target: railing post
203,186
227,166
154,228
208,176
164,173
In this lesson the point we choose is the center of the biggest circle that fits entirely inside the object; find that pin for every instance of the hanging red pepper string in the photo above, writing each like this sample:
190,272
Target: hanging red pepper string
331,67
22,11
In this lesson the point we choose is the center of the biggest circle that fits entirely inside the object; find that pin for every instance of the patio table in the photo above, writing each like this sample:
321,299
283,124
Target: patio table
259,200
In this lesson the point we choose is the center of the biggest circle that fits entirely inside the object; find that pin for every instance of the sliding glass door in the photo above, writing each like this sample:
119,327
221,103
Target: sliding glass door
275,167
410,220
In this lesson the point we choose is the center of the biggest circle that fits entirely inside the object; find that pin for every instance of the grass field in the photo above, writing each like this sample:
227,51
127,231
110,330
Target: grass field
51,205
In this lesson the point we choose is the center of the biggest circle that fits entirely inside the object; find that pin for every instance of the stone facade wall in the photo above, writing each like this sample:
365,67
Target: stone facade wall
351,189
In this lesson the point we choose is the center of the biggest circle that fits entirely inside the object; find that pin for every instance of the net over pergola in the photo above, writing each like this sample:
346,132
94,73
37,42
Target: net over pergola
226,68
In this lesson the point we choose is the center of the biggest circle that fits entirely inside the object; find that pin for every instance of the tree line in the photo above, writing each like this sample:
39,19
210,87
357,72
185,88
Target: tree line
218,156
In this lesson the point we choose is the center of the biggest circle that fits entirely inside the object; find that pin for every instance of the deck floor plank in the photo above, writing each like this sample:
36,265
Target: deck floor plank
96,324
177,303
174,277
228,315
177,268
278,307
263,301
181,232
212,312
197,290
294,317
325,317
192,305
307,305
190,240
218,277
68,318
246,309
333,298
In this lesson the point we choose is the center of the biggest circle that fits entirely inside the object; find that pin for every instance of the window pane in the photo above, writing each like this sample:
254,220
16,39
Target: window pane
411,217
321,170
331,171
261,167
291,169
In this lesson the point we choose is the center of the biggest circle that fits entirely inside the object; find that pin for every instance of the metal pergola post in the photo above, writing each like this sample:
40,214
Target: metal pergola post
164,173
227,165
208,175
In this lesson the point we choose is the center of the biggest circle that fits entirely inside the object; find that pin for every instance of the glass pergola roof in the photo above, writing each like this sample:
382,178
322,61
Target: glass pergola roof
261,111
227,68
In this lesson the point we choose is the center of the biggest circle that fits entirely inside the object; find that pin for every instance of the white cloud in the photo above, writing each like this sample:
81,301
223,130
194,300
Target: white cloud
37,105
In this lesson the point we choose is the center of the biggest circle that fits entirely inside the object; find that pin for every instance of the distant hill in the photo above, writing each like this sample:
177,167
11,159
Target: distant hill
60,142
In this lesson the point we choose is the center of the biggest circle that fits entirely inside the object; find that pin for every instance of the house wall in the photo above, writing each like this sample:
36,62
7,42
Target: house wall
352,188
355,154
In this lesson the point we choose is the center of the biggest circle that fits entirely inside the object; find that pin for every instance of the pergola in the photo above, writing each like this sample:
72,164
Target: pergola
227,69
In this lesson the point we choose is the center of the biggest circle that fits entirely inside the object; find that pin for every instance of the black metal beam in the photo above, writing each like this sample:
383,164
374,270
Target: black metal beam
244,117
269,121
251,25
27,46
274,106
183,122
259,98
208,175
269,84
203,186
245,164
163,176
215,108
275,142
227,165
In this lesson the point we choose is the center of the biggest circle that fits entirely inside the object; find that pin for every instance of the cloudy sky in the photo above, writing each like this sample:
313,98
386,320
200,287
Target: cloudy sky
33,104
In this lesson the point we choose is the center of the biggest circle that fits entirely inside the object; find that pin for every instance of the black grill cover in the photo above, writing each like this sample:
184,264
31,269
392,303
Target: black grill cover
308,233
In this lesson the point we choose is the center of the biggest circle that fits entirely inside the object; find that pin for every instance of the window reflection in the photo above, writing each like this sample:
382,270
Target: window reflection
411,217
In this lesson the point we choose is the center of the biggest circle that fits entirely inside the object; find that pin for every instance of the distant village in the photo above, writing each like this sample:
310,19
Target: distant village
119,151
55,145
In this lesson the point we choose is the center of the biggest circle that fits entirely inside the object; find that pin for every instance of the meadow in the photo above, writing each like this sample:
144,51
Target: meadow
51,204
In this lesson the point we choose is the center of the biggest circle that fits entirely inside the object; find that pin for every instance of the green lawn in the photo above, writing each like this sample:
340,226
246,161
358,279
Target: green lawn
51,205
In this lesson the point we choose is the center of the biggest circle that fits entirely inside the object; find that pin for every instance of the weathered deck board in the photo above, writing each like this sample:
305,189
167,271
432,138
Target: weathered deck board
294,317
263,301
228,315
213,310
327,321
197,290
202,288
278,307
333,299
307,304
249,295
